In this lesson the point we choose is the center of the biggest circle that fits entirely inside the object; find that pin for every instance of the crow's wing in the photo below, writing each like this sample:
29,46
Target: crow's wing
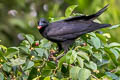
90,17
73,27
66,31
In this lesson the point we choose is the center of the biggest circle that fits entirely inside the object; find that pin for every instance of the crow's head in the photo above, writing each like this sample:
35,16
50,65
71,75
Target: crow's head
42,23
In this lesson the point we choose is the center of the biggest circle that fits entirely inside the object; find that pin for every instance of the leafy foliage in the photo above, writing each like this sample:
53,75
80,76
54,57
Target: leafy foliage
92,57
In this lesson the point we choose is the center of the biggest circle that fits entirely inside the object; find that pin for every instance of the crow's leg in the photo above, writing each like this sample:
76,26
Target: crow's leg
53,53
51,57
65,46
65,51
59,49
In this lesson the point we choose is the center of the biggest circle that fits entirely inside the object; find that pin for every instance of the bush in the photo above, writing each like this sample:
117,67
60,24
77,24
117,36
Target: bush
92,57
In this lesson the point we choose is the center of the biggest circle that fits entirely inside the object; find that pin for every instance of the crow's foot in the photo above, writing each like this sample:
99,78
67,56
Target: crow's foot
52,54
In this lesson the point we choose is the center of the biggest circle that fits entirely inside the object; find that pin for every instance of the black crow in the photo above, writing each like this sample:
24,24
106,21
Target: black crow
64,32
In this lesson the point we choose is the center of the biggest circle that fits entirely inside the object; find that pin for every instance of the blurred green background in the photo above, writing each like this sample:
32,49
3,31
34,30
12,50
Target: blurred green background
21,16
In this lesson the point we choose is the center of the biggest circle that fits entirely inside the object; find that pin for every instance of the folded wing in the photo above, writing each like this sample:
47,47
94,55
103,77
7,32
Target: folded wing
73,30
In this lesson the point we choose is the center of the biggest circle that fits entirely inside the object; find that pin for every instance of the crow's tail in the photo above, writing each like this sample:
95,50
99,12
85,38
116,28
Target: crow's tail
94,16
95,27
101,26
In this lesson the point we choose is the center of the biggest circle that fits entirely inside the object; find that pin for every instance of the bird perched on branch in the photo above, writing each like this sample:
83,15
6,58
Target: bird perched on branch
64,32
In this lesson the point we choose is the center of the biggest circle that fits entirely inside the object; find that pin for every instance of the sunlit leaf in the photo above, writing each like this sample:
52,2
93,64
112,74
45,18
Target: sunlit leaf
11,52
95,41
114,26
6,67
24,49
69,58
83,55
45,44
25,43
73,56
15,62
69,10
114,44
112,55
98,56
47,78
29,64
1,76
80,62
84,74
102,38
115,52
112,75
5,48
30,38
40,51
74,72
91,65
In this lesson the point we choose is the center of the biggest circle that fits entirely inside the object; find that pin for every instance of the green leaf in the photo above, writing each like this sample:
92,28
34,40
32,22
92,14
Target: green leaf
15,62
51,65
69,10
113,57
74,72
98,56
29,64
56,19
80,62
115,52
69,58
6,67
101,37
25,43
107,77
95,41
84,74
11,52
45,44
91,65
47,78
73,56
5,48
24,49
30,38
117,48
61,61
114,44
1,76
40,51
33,74
114,26
83,55
112,75
46,72
2,56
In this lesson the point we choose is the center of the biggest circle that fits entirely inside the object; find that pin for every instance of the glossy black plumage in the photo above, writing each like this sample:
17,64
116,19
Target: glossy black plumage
64,32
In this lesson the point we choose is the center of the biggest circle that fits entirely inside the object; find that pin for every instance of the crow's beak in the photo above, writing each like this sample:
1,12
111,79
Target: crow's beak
39,27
